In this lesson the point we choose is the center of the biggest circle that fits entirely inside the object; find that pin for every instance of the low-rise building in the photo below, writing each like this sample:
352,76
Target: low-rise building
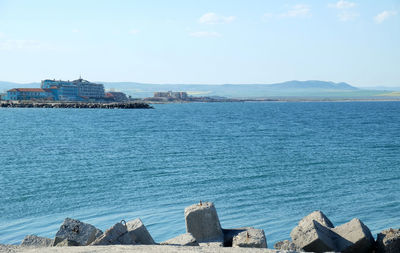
28,94
170,94
116,96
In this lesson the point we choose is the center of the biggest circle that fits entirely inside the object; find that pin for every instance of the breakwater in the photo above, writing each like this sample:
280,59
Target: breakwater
80,105
314,233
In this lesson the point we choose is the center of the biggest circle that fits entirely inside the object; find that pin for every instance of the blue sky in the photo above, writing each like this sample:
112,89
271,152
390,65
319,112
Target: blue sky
208,42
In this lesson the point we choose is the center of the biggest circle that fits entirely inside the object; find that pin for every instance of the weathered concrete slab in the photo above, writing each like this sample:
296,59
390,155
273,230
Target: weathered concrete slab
133,249
203,223
77,231
251,238
182,240
213,244
138,233
313,237
287,245
112,236
388,241
37,241
356,237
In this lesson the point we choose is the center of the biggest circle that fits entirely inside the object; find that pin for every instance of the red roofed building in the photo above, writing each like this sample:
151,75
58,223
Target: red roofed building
28,94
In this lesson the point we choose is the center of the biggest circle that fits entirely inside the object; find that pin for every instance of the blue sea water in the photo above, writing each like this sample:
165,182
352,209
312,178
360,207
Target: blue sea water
263,164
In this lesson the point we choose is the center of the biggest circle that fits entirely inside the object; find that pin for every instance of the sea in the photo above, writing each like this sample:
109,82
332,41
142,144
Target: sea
263,164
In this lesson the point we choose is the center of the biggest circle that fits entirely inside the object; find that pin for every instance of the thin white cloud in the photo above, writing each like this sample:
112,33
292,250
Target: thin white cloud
134,31
383,16
2,35
205,34
75,30
298,10
345,10
342,4
9,45
212,18
295,11
347,15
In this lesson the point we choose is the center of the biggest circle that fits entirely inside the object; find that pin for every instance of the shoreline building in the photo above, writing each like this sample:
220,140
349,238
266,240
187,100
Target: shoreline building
27,94
77,90
181,95
59,90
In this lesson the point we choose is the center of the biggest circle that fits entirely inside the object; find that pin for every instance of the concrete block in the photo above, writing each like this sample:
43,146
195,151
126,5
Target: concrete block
314,237
203,223
138,232
37,241
112,235
230,233
74,230
388,241
182,240
317,216
356,237
251,238
287,245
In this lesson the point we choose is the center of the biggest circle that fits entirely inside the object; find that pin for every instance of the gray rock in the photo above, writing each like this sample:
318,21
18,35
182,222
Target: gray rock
182,240
74,230
203,223
138,233
67,243
251,238
388,241
287,245
355,237
310,235
112,236
36,241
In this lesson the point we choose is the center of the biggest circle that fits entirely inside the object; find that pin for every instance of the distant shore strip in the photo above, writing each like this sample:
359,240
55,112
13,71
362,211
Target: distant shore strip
75,105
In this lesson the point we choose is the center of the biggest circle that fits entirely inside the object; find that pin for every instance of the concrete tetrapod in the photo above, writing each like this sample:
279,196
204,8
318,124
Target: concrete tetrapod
74,230
203,223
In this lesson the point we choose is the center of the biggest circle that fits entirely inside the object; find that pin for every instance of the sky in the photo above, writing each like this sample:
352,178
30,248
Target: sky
201,41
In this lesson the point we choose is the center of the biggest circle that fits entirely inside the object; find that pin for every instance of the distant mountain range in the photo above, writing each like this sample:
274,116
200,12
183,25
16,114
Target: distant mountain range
312,88
313,84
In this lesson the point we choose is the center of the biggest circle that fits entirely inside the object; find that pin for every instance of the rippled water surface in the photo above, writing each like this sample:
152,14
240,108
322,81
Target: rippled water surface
263,164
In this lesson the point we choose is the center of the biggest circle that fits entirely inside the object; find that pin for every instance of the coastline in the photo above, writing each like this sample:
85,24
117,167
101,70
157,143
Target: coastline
75,105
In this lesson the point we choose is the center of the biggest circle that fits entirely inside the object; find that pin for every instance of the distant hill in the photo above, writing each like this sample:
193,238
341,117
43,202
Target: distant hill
313,84
312,88
290,88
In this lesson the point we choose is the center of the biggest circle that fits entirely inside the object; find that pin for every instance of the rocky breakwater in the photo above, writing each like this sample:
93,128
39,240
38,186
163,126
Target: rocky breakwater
80,105
314,233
